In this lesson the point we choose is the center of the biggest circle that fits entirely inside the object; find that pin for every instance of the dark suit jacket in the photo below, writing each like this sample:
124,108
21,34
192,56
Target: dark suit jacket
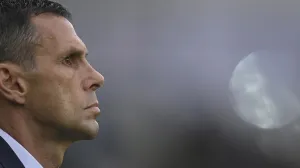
8,158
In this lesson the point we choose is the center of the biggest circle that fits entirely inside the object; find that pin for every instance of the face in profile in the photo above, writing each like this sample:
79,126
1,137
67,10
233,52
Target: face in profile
61,94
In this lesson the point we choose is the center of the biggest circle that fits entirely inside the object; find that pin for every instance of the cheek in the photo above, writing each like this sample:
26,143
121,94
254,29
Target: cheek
68,101
72,93
49,101
56,96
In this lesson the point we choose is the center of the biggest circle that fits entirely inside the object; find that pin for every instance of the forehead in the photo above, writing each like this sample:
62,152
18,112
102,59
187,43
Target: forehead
57,35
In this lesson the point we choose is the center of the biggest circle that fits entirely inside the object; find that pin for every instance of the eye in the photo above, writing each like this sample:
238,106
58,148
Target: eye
68,61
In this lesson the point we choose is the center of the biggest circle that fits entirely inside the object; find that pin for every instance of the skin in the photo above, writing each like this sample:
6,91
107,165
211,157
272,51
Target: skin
45,109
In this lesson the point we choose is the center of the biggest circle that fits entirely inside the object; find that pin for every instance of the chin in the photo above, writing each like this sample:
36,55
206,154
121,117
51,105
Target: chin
87,131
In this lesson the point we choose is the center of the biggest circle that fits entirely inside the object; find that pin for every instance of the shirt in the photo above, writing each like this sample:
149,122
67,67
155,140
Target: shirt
25,157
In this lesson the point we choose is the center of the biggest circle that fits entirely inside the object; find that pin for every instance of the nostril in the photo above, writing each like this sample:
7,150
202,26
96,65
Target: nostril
95,86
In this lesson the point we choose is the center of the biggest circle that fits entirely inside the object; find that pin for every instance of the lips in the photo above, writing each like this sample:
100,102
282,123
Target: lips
93,107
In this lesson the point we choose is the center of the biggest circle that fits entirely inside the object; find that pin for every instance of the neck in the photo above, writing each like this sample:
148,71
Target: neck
38,141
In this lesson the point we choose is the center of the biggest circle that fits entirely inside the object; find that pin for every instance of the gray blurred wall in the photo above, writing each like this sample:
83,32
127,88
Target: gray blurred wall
167,64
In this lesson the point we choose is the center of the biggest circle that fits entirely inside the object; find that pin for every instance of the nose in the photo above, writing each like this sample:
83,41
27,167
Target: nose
94,81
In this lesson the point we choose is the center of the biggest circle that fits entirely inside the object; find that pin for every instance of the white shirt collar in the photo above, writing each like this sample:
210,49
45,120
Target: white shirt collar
26,158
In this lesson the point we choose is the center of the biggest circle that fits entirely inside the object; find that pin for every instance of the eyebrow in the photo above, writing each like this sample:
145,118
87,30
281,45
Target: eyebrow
76,51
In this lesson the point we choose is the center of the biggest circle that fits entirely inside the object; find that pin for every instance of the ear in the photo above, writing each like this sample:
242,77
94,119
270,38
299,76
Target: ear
12,84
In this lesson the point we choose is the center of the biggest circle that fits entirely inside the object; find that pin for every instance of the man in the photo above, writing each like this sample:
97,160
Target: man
47,87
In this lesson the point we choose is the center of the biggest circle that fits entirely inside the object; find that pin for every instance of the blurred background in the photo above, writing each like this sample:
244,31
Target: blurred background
169,100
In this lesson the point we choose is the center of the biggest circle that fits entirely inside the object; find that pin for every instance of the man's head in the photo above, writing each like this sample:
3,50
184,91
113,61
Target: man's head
44,74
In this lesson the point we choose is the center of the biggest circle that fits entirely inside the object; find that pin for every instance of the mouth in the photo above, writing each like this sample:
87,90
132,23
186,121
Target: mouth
93,105
94,108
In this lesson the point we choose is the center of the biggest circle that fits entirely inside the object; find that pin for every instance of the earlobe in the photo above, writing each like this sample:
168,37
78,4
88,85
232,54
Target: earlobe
12,85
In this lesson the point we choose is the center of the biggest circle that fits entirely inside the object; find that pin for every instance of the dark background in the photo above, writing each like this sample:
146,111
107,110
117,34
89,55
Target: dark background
167,64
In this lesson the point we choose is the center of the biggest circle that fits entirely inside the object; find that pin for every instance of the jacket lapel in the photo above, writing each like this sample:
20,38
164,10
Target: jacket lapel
8,158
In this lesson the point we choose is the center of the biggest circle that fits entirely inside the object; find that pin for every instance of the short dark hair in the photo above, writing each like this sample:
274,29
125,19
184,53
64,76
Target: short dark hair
18,36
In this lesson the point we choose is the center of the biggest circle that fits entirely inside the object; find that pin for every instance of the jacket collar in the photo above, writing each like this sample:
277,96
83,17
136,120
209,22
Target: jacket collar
7,156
